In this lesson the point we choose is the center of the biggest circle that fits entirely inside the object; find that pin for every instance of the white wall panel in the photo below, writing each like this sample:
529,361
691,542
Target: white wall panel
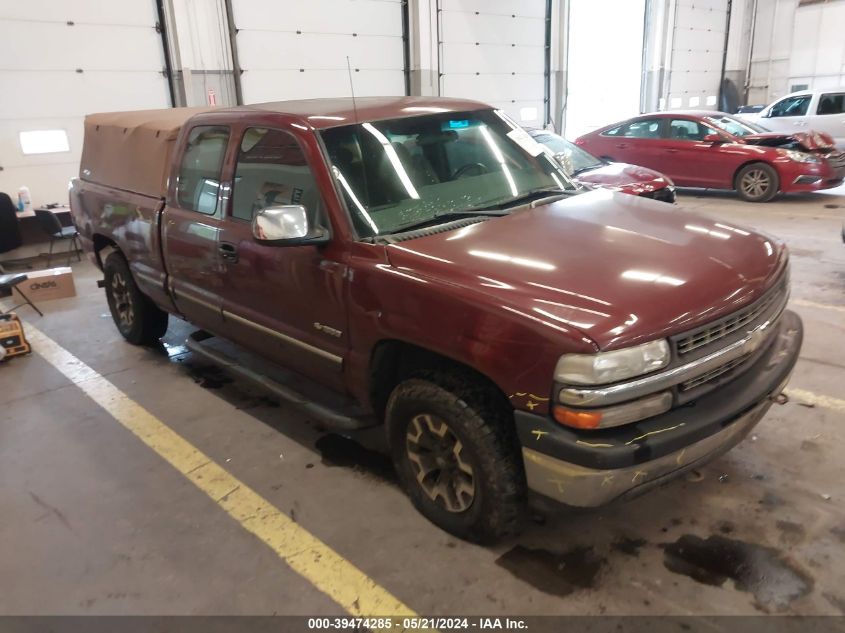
494,51
772,50
297,50
818,46
62,60
698,46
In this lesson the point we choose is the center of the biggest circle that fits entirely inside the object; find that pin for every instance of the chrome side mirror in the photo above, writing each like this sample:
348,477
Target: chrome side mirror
286,225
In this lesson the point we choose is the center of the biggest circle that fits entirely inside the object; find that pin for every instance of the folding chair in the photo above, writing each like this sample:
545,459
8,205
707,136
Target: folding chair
8,286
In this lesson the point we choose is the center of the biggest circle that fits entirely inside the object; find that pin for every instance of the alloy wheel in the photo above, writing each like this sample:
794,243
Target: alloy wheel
755,183
439,463
122,301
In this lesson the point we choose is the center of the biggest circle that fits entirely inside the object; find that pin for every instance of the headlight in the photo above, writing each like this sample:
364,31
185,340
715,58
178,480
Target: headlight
800,157
607,367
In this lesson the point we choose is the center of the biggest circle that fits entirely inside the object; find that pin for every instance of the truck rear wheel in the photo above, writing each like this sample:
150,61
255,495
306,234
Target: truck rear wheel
137,318
456,458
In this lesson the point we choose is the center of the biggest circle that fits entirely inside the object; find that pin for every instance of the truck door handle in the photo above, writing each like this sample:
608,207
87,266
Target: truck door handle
228,251
621,145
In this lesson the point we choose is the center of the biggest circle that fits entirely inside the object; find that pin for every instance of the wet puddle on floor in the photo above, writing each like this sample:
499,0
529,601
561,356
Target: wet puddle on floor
551,572
340,451
209,376
774,582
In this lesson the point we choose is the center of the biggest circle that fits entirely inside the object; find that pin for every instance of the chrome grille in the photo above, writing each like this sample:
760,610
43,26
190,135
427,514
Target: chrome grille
712,374
723,327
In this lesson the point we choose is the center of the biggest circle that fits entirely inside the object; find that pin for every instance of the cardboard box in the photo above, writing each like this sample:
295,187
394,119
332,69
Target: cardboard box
44,285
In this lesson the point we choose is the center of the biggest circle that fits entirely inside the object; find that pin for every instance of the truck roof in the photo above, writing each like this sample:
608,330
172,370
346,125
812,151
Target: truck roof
132,150
336,111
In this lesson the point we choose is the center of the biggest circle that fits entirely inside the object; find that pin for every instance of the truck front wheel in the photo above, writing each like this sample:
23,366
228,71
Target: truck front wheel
137,318
456,458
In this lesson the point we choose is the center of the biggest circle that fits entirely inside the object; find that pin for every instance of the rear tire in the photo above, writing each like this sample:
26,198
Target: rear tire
757,182
457,456
137,318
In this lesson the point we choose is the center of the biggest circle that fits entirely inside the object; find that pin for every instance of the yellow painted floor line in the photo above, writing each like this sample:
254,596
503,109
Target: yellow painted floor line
312,559
813,304
828,402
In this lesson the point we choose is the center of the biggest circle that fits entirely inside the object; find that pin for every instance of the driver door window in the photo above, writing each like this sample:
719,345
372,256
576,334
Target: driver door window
792,106
688,130
271,171
646,128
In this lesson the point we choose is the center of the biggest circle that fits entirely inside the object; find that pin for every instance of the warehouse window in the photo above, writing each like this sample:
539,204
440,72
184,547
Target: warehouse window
272,171
44,141
198,185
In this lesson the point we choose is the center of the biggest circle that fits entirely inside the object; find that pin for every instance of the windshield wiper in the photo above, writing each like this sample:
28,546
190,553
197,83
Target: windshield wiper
448,216
547,194
581,170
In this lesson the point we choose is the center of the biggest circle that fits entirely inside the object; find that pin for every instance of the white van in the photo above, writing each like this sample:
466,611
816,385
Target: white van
820,110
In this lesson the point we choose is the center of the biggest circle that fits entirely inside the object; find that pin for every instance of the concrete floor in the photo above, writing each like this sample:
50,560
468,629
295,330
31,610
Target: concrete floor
93,522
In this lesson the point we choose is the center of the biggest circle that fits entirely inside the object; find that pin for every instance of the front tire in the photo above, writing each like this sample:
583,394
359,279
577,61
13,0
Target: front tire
137,318
457,456
757,182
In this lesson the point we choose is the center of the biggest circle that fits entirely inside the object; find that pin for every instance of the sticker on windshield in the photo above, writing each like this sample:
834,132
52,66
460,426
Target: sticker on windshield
457,125
524,140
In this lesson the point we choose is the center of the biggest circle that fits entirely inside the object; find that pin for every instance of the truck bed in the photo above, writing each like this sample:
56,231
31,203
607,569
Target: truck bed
108,215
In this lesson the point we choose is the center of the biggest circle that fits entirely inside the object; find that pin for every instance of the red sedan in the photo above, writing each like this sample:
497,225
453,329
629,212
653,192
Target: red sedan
716,150
587,169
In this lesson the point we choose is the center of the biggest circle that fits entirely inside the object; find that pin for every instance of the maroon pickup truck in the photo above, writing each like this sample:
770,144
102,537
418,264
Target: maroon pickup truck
429,267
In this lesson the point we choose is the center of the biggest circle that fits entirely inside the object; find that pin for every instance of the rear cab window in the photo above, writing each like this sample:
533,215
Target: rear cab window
272,171
198,181
831,103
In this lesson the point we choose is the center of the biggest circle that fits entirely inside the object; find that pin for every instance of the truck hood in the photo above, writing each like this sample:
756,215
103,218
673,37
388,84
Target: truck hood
816,142
618,268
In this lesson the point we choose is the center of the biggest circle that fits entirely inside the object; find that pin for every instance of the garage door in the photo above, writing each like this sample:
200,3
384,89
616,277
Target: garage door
697,51
494,51
603,88
296,50
62,61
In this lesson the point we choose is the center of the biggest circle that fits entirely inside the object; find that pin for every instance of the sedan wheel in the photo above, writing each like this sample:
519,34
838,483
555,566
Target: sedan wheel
757,182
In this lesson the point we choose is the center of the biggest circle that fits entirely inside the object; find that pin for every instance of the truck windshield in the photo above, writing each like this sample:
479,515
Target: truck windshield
404,172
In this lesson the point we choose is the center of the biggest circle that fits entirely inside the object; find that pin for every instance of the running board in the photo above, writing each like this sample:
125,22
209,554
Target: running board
325,414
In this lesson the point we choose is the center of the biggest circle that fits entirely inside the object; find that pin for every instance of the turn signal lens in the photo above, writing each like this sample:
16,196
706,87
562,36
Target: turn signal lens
614,416
578,419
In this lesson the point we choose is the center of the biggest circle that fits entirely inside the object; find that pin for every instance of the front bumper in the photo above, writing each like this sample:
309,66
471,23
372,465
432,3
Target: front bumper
585,469
797,177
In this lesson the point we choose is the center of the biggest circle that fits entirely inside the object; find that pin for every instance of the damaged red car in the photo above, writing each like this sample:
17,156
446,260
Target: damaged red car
719,151
593,171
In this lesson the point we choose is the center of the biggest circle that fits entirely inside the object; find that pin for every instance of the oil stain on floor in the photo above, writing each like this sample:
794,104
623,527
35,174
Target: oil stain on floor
337,450
774,582
551,572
